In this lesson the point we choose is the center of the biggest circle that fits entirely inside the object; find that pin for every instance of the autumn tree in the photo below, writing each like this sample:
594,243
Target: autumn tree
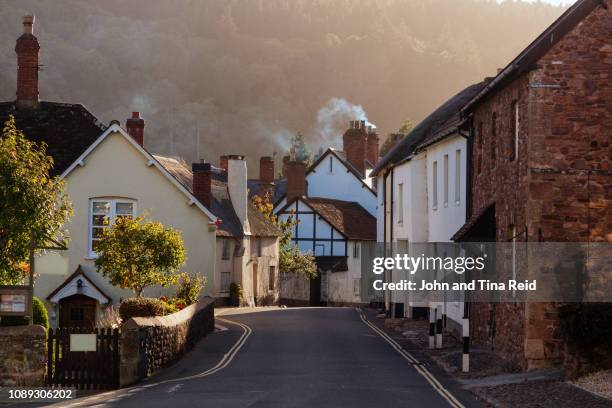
394,138
291,260
33,204
136,253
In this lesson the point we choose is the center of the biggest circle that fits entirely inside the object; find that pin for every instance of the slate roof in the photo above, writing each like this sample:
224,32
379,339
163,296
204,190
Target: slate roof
67,129
221,204
527,59
429,127
348,217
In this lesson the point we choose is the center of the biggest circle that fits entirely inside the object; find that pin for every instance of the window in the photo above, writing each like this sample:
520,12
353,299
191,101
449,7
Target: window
515,131
356,286
493,138
356,250
446,180
225,282
457,176
225,249
435,185
400,203
105,213
331,164
271,277
77,314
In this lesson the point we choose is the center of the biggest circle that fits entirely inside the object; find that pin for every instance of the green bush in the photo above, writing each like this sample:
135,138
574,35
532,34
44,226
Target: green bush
169,307
141,307
40,316
235,294
40,313
189,288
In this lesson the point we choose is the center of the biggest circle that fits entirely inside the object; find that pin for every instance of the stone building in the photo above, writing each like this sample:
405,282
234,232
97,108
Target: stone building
541,165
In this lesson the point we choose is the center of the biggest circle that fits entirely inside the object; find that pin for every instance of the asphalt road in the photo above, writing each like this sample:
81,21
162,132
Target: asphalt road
305,357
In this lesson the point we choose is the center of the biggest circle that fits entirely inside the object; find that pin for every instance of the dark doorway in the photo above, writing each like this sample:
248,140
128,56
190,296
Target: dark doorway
77,311
315,290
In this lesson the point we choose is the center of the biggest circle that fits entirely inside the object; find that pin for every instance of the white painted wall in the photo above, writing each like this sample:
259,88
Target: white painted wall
340,184
116,169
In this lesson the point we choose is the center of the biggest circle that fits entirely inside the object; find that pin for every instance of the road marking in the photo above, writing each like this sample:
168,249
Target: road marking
175,388
414,362
224,362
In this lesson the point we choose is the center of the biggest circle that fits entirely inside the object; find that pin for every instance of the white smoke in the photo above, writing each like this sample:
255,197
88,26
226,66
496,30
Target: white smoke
333,119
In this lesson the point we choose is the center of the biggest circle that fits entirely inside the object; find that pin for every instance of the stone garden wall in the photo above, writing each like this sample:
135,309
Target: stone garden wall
148,344
23,357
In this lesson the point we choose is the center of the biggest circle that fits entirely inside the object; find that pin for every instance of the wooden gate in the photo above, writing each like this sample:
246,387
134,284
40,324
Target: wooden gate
85,370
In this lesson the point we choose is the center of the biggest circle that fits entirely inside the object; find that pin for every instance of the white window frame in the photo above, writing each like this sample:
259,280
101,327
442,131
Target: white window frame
356,250
458,177
445,169
434,178
112,216
400,203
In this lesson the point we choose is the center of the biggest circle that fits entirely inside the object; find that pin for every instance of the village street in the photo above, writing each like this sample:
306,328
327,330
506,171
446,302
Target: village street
306,357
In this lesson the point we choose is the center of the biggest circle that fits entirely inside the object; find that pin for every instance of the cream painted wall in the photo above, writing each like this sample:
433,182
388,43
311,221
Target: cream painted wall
341,284
117,169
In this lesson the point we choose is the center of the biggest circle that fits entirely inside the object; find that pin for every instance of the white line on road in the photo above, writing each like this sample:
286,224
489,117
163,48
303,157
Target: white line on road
414,362
175,388
224,362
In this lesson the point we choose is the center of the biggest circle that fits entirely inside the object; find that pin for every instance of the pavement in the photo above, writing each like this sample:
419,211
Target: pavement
295,357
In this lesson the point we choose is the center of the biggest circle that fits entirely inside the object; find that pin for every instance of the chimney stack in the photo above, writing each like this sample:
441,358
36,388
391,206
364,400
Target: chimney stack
135,127
355,145
295,172
223,162
27,49
266,175
202,182
237,186
372,151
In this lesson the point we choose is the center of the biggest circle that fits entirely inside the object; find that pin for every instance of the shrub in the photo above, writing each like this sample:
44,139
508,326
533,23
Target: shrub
190,288
141,307
235,294
169,307
39,312
109,318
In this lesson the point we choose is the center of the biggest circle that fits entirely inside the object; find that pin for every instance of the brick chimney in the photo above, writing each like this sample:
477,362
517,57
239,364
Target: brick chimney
372,152
354,144
223,162
202,180
266,175
295,172
27,49
135,127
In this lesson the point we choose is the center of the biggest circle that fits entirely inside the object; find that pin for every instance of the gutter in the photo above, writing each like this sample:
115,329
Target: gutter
494,82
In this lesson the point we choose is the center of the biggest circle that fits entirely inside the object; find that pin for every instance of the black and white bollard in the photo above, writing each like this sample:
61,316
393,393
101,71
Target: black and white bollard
432,327
439,326
465,365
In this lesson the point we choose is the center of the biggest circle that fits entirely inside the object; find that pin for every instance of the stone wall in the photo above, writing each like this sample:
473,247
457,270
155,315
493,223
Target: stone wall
294,290
23,356
557,189
149,344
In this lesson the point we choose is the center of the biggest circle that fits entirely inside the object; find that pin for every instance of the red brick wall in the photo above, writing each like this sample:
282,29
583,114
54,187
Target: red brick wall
558,189
27,49
296,179
355,146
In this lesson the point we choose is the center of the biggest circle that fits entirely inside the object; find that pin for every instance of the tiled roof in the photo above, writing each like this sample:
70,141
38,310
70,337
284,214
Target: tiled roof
348,217
279,188
67,129
221,204
428,128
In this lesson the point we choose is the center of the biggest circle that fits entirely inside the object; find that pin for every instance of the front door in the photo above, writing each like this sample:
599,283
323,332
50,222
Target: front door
77,311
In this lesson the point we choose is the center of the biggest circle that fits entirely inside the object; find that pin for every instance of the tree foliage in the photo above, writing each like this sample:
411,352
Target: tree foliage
394,138
302,152
135,254
291,260
33,205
